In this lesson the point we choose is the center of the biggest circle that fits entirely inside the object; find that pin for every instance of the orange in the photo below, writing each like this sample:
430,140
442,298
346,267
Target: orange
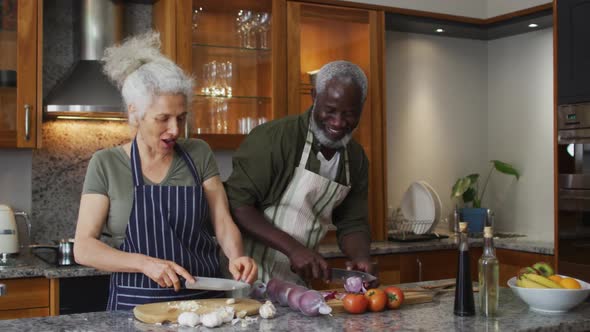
570,283
555,278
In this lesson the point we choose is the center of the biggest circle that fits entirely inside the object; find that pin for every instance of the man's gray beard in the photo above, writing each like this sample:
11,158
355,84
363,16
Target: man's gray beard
324,140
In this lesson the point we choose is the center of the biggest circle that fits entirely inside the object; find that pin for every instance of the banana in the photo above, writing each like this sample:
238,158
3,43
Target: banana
527,283
548,283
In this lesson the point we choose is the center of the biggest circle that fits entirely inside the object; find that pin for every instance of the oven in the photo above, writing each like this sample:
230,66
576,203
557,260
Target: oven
573,240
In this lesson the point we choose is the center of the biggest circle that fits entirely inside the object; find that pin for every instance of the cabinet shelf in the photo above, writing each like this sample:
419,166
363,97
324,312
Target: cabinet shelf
231,47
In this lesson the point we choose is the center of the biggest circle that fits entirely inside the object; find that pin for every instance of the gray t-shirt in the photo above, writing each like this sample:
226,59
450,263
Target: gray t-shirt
109,174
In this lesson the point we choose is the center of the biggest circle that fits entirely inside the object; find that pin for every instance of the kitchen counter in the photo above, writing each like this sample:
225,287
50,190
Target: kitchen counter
37,268
388,247
514,315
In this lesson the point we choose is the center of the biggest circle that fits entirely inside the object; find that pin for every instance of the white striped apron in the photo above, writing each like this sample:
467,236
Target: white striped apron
304,211
171,223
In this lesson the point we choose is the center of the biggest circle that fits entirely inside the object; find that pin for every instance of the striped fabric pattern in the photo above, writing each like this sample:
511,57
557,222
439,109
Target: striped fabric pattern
166,222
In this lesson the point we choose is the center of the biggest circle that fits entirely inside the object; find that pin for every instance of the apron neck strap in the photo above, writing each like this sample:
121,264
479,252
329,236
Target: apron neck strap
307,151
137,174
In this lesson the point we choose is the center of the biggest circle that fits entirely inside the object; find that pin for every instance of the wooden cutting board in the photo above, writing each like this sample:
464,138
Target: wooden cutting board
168,312
409,298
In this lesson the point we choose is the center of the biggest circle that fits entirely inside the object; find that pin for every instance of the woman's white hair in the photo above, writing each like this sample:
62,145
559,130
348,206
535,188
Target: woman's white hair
142,73
342,70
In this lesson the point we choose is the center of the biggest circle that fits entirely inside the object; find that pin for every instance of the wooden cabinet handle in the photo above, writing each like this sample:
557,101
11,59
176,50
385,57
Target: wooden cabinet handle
27,122
2,289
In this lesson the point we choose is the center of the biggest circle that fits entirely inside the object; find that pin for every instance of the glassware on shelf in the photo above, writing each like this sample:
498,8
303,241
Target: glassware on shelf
263,29
217,79
244,23
245,125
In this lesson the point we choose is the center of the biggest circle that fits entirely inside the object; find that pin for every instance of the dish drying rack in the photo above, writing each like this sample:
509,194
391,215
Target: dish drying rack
404,230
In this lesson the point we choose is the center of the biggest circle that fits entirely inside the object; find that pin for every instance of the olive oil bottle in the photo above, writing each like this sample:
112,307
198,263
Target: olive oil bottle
489,276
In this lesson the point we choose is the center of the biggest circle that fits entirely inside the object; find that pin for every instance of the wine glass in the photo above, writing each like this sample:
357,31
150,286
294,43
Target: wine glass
263,28
244,21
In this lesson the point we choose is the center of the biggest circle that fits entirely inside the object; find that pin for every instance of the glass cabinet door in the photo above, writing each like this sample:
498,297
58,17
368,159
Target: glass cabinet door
228,46
319,34
18,32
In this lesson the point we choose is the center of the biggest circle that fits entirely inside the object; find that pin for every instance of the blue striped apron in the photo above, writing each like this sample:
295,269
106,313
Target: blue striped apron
166,222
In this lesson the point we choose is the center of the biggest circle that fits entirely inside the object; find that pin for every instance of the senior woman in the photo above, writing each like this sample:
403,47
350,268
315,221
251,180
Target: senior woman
160,196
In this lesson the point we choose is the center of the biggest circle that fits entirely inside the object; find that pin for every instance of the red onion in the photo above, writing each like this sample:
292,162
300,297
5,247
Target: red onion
311,303
258,290
329,295
354,285
294,295
271,289
283,291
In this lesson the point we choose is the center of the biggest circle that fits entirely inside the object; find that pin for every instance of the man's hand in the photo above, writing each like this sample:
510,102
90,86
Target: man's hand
309,264
365,265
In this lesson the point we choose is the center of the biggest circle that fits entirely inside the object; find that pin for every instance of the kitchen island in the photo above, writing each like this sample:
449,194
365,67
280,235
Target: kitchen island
514,315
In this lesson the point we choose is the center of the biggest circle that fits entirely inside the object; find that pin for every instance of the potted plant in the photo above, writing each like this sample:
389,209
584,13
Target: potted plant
468,189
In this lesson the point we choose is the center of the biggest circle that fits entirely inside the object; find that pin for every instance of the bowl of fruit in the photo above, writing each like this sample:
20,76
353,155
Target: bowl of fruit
545,291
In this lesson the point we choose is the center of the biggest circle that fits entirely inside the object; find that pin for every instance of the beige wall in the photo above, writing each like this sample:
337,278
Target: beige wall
520,130
15,178
436,112
455,104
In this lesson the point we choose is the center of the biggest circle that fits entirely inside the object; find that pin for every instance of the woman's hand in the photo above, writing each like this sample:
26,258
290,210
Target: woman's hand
165,273
243,268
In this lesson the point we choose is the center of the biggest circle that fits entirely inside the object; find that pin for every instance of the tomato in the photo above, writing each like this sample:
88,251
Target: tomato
355,303
377,299
395,297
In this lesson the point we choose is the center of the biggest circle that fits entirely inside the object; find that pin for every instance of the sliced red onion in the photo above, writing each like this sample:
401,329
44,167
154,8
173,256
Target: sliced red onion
311,303
294,295
271,289
354,285
329,295
283,291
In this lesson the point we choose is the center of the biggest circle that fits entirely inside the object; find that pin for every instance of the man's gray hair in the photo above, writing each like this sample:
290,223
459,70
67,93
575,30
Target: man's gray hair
341,70
142,73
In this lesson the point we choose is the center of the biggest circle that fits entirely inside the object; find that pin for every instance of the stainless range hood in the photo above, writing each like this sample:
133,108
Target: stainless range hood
86,92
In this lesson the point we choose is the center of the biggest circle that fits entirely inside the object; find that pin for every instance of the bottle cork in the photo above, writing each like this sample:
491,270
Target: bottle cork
462,227
488,231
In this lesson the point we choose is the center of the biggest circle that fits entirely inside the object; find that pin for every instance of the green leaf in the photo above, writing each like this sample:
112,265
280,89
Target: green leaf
473,178
506,168
460,187
469,195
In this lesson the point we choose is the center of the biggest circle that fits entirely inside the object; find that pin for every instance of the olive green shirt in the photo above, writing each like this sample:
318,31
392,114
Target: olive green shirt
109,174
264,165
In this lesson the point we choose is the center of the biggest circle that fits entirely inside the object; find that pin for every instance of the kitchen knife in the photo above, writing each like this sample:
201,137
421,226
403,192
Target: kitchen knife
218,284
342,275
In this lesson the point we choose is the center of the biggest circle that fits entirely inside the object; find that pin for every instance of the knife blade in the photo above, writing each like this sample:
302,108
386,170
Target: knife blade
219,284
342,275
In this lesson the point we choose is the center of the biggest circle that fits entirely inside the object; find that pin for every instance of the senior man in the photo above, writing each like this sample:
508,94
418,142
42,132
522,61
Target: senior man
295,176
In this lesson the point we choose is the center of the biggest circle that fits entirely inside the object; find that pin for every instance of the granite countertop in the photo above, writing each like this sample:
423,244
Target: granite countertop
514,315
35,267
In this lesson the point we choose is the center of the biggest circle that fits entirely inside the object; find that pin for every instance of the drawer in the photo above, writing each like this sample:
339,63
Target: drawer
25,293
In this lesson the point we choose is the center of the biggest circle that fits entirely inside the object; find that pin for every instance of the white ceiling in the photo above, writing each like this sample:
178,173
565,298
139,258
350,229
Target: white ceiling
469,8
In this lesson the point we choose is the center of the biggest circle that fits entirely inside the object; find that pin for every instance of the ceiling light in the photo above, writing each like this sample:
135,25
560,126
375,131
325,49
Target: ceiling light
533,25
439,30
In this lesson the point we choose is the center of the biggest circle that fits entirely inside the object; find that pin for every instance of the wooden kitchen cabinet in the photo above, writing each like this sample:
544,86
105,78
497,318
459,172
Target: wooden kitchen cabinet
20,114
236,51
318,34
25,297
435,265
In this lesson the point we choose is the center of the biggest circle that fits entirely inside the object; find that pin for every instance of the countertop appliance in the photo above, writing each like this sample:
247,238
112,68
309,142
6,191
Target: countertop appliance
573,231
8,232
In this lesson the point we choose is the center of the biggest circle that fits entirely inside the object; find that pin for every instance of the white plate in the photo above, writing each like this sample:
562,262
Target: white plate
418,208
437,204
218,284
